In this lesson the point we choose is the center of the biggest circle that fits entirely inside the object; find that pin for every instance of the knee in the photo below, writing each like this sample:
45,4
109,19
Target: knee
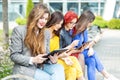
39,73
90,61
58,72
57,68
70,70
70,74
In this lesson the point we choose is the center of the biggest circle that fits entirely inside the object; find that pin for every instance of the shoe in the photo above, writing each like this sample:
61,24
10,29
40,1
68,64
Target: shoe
107,79
111,77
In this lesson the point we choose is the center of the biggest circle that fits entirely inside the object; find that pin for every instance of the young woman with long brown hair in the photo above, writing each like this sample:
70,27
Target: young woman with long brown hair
28,46
91,59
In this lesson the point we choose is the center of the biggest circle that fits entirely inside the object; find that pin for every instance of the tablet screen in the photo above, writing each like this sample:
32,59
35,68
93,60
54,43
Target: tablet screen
59,51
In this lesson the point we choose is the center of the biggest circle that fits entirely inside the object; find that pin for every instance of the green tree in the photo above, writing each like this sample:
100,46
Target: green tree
29,7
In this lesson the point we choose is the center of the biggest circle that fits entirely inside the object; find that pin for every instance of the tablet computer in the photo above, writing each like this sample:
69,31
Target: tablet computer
59,51
83,46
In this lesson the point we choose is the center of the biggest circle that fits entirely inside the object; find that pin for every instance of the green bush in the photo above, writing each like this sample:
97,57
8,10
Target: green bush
20,21
98,18
99,21
114,24
6,64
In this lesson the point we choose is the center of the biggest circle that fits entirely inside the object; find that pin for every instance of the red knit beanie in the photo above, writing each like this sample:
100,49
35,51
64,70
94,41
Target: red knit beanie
69,16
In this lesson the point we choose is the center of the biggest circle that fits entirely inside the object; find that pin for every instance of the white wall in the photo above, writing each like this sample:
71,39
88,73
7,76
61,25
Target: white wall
109,9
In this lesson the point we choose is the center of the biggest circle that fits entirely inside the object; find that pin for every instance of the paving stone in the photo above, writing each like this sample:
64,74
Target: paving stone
108,50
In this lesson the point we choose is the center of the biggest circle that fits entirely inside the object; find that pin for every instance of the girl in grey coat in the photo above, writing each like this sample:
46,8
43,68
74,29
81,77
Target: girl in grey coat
29,45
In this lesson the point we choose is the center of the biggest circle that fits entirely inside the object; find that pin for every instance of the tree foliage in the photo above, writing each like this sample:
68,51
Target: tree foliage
29,7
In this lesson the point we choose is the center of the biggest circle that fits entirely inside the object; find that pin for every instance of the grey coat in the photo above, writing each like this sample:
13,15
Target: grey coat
20,54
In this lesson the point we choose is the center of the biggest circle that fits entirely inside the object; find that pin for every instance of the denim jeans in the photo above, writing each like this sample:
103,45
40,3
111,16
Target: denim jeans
50,72
93,63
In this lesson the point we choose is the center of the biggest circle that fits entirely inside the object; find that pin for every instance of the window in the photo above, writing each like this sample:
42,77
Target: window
73,7
20,9
56,6
102,8
93,6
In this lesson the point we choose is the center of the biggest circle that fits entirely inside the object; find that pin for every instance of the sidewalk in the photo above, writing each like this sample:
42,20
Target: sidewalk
108,50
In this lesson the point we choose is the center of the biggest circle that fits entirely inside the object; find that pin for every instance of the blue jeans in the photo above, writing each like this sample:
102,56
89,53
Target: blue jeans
92,63
50,72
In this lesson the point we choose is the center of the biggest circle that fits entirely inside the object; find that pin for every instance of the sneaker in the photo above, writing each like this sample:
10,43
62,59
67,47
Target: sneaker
107,79
111,77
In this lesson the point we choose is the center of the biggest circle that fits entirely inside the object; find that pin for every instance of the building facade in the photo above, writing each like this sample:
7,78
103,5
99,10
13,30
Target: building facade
98,7
17,8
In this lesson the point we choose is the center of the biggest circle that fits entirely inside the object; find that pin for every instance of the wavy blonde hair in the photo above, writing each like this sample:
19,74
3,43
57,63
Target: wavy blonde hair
34,39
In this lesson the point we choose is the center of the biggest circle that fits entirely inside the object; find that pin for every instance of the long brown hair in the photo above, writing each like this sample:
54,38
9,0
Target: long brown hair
56,17
83,21
34,39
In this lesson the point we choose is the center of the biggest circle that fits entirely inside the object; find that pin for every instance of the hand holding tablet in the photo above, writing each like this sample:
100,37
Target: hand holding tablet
59,51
